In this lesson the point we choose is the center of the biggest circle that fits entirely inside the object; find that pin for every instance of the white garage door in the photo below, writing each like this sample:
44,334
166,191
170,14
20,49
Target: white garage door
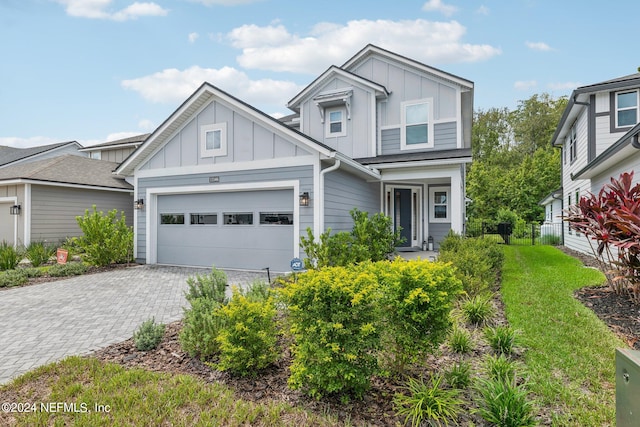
246,229
7,224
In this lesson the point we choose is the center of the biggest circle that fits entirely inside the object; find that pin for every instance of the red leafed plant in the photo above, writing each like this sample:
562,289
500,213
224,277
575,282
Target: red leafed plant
611,219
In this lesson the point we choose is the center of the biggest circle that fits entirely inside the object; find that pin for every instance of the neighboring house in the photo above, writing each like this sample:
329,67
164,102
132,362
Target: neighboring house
222,183
552,204
13,156
115,151
39,200
598,135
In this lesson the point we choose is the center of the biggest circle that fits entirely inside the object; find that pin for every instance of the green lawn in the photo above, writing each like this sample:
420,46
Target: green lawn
570,353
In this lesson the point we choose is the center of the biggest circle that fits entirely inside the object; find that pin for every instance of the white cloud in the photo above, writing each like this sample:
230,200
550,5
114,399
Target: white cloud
483,10
173,85
274,48
543,47
146,125
99,9
525,85
564,86
193,37
29,142
224,2
439,6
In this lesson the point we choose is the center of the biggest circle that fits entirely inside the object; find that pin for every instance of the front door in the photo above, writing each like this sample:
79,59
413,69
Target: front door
404,208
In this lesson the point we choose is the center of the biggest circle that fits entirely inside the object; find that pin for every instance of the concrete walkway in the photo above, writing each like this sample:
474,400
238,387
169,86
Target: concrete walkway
49,321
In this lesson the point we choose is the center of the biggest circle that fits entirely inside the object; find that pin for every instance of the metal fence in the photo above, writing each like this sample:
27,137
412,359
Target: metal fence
520,234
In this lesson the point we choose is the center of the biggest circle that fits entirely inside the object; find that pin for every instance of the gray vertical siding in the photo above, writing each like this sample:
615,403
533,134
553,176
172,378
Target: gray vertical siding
444,135
438,230
54,209
304,174
117,155
343,192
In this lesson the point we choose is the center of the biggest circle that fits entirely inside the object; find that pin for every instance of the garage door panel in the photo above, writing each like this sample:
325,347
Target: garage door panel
252,246
7,222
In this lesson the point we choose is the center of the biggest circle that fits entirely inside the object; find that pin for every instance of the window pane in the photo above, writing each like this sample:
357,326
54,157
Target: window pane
335,116
417,134
276,218
440,212
627,100
213,140
335,127
418,113
204,219
440,197
171,219
238,218
627,117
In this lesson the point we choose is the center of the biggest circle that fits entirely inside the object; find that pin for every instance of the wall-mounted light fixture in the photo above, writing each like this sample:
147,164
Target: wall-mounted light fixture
15,210
304,199
138,204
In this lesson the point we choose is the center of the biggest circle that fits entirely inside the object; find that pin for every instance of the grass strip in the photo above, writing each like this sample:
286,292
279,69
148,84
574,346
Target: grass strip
86,392
570,353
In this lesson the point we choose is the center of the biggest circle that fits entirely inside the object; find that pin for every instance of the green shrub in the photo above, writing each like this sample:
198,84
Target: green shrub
428,402
333,317
478,309
12,278
258,291
148,335
65,270
9,256
504,403
501,338
39,253
459,375
417,297
201,326
500,367
371,239
248,337
460,340
211,286
32,272
106,239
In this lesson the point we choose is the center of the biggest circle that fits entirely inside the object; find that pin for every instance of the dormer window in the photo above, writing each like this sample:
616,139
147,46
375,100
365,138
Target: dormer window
213,140
417,124
335,123
626,108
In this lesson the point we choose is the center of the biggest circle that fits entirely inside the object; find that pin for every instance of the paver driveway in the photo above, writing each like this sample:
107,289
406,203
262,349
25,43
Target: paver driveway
47,322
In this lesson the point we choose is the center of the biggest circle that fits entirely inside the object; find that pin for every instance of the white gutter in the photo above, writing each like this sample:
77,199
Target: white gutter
320,196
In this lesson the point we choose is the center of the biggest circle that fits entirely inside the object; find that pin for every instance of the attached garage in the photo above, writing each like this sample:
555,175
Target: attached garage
7,223
235,229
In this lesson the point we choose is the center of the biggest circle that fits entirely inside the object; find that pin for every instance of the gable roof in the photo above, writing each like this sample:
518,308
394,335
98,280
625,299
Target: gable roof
131,141
203,95
579,99
67,169
11,154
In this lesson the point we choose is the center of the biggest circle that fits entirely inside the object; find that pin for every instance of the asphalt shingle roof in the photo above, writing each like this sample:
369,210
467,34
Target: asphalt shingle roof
12,154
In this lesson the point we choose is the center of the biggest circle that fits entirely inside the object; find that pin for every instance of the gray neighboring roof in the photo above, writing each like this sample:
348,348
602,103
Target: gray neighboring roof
458,153
132,140
67,169
12,154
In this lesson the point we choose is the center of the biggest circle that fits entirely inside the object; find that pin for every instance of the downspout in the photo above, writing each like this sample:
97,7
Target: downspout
320,196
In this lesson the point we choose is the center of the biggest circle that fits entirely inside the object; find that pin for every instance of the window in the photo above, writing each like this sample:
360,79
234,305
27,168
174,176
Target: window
572,144
417,131
171,219
240,218
335,123
213,140
204,219
276,218
96,155
626,108
439,197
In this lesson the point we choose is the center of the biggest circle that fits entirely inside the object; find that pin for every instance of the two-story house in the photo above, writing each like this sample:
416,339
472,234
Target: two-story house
598,136
222,183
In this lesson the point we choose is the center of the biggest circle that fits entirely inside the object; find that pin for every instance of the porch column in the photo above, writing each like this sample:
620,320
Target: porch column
457,203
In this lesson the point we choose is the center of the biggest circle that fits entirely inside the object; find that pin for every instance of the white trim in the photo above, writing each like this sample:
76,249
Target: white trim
424,163
228,167
429,123
459,128
618,109
319,198
62,184
151,206
431,204
26,211
14,200
213,128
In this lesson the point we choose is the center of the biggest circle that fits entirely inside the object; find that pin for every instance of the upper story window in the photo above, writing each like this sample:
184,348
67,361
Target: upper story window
626,108
213,140
417,126
335,122
572,144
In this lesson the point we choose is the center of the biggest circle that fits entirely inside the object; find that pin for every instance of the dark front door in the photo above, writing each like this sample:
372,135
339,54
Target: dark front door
402,214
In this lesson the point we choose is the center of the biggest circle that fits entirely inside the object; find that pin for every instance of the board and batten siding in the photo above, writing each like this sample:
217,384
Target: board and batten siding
117,155
444,135
303,174
343,192
438,230
246,140
54,209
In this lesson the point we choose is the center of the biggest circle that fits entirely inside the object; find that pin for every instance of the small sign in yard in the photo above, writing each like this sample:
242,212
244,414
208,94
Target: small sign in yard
62,255
296,264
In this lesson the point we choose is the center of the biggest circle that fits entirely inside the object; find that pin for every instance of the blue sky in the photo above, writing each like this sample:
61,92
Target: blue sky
99,70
